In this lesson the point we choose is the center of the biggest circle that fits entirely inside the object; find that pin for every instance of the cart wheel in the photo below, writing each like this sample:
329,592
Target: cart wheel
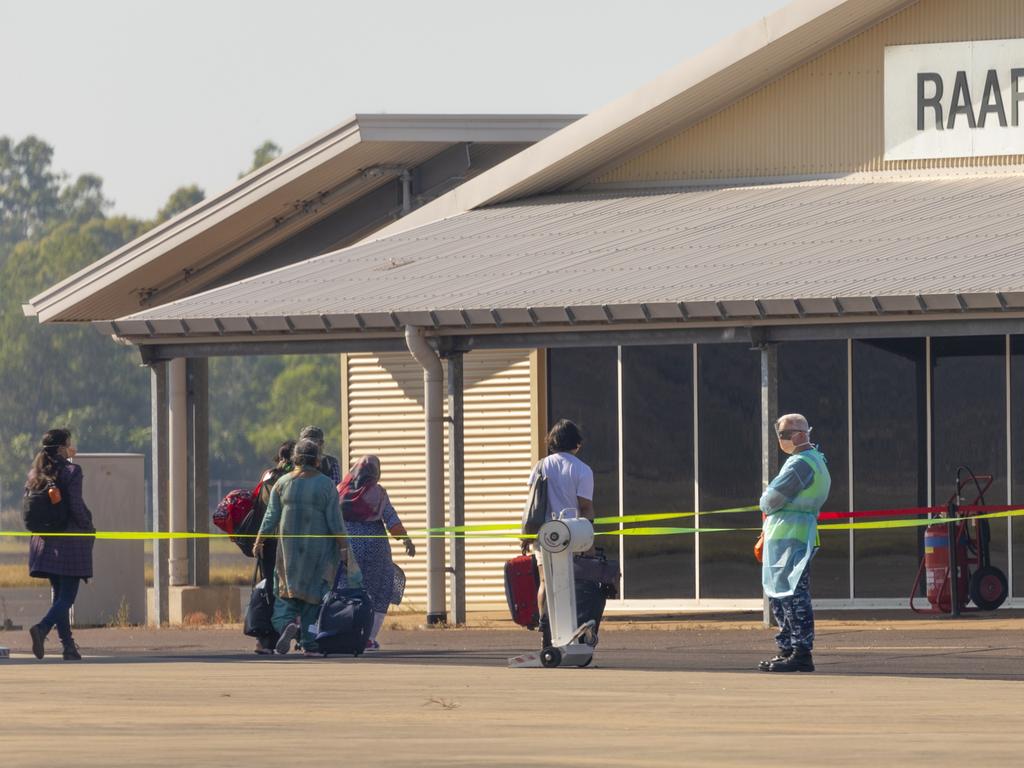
550,657
988,588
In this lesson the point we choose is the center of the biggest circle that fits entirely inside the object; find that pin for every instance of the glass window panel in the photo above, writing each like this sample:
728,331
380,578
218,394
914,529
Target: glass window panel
583,387
1017,454
969,423
812,381
729,412
889,459
657,430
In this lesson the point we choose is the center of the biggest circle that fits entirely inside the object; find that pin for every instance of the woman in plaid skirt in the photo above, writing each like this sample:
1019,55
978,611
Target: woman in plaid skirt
64,560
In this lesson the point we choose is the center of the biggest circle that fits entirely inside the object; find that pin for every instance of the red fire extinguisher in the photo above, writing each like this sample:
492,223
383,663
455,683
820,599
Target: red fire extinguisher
936,565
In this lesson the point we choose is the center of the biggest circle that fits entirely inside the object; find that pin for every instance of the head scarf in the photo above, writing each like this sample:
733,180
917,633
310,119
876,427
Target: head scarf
362,498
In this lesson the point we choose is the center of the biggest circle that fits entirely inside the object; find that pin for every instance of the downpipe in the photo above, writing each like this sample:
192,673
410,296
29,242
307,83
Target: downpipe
433,396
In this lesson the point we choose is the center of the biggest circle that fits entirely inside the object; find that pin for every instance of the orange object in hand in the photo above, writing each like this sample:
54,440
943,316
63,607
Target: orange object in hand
54,493
759,547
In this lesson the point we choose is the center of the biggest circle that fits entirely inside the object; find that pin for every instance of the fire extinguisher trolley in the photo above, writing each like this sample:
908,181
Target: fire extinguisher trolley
977,580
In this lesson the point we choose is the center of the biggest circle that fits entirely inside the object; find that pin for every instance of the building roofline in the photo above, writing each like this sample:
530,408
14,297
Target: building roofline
404,128
685,94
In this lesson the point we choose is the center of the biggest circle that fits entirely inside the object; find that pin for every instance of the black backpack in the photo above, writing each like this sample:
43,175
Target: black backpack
43,516
245,532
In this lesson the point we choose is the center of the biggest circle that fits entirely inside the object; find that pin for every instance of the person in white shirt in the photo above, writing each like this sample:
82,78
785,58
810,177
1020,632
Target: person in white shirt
570,481
570,490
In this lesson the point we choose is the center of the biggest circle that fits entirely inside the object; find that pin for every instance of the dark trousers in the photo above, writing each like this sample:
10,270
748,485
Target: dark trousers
795,616
268,562
65,590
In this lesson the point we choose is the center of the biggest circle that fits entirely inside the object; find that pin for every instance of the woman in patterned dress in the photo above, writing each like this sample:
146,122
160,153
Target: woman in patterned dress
369,517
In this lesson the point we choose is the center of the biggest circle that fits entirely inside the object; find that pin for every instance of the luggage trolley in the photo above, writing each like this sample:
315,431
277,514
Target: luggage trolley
976,579
572,645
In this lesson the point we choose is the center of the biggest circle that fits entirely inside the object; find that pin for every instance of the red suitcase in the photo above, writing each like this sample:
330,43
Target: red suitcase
521,582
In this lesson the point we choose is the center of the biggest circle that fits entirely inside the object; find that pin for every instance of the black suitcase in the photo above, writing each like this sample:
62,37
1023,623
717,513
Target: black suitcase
345,620
261,607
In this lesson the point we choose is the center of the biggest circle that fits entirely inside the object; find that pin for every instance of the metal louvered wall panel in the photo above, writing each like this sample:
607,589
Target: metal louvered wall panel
385,417
826,116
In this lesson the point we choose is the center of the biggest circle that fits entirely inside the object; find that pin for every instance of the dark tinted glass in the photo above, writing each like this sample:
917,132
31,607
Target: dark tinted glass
583,387
812,381
969,423
729,408
1017,452
889,459
657,431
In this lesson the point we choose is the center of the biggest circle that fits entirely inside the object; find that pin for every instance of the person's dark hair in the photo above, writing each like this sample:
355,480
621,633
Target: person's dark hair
284,452
306,454
564,436
48,459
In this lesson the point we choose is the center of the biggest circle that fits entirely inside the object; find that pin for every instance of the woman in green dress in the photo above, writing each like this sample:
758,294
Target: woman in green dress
305,513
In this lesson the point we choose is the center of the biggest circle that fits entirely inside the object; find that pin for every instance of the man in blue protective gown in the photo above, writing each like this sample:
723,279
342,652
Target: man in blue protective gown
791,504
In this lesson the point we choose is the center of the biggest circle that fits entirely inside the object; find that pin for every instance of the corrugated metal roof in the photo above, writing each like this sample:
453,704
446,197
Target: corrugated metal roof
801,249
682,96
192,250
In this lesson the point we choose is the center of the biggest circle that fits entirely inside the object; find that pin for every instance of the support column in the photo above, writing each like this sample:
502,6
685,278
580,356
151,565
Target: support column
161,552
178,464
199,469
433,396
456,490
769,412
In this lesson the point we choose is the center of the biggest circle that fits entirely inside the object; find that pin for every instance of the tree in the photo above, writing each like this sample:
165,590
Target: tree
180,200
263,154
32,197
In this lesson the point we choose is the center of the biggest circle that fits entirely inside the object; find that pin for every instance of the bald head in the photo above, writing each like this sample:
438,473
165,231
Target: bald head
792,421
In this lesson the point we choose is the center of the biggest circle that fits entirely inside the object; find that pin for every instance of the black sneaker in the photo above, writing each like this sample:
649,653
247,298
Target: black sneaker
765,664
71,652
288,634
800,661
38,640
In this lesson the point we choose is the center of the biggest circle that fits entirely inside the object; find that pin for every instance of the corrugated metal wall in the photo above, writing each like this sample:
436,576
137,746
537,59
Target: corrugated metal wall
384,415
827,115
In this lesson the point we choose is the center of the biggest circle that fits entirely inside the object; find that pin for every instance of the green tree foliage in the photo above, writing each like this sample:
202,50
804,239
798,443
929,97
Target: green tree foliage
263,154
180,200
65,375
71,375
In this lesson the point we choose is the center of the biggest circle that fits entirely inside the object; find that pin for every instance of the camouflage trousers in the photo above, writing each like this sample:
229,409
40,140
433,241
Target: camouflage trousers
795,616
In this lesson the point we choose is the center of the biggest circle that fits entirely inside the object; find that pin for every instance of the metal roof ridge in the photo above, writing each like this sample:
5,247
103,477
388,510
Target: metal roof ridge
619,115
263,179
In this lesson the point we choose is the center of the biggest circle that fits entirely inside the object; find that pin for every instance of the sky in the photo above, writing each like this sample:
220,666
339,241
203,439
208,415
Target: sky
152,95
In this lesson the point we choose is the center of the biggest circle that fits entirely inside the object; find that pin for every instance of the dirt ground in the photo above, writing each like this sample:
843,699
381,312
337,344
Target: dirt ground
684,692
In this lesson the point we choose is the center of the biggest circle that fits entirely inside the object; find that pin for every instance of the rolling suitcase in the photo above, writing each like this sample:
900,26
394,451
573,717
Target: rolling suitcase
521,582
345,620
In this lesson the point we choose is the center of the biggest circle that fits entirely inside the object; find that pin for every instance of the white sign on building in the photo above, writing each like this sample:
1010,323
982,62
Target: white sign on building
954,100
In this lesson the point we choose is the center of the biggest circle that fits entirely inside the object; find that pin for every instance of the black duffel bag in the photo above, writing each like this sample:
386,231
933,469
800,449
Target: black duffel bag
345,620
261,606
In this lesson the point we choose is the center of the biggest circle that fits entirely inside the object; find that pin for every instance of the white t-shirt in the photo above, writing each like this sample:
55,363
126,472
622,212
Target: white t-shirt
568,477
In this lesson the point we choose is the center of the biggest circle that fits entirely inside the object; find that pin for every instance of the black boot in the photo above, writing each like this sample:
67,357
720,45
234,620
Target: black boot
71,652
800,661
765,664
38,640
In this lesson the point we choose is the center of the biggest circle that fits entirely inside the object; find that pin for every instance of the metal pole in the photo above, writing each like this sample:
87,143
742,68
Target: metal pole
177,463
199,467
456,489
769,412
433,396
161,549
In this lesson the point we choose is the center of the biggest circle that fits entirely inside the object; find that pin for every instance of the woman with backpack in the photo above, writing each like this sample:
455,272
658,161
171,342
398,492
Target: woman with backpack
64,560
369,518
304,512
